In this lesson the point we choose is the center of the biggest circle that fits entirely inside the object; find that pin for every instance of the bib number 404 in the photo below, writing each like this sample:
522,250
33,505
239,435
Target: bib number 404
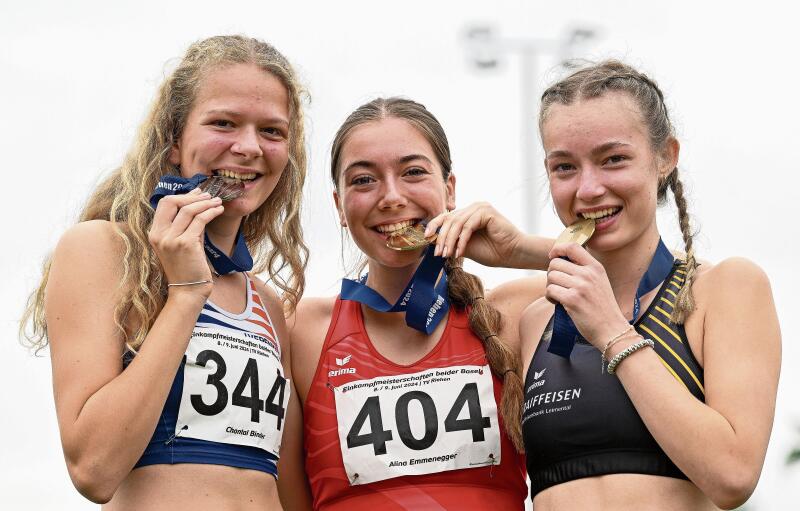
248,380
377,436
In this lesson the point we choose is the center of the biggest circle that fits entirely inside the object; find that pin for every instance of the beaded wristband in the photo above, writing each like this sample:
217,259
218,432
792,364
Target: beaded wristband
619,357
610,343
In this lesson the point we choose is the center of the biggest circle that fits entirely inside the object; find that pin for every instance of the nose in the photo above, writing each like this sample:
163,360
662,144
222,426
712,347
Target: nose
247,143
392,195
590,184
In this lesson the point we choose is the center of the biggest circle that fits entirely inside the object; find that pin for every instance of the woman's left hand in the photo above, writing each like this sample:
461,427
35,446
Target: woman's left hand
581,285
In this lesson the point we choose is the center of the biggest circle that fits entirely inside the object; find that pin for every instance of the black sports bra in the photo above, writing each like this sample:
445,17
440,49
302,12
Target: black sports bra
578,422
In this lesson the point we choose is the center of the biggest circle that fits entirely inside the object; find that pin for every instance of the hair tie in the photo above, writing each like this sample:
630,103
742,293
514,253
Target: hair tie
476,298
486,339
508,371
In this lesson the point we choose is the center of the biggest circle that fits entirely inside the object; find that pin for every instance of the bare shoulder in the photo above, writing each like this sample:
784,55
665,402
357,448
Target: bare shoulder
512,297
308,326
733,275
89,256
97,239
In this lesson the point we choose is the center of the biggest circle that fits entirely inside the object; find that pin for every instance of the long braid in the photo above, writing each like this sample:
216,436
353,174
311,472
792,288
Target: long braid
466,290
684,302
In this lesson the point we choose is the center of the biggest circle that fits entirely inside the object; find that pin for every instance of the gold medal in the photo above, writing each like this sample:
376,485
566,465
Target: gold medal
409,238
579,232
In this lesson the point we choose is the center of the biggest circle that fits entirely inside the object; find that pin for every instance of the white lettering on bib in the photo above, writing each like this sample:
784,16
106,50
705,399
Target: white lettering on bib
421,423
233,390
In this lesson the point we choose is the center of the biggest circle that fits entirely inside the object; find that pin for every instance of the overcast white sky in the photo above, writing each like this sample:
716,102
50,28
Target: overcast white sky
77,78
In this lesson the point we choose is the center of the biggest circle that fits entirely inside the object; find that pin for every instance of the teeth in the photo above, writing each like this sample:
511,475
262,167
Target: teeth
235,175
600,213
391,228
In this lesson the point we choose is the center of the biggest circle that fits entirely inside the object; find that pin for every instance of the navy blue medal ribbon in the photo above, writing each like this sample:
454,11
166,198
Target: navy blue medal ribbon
240,260
565,334
424,300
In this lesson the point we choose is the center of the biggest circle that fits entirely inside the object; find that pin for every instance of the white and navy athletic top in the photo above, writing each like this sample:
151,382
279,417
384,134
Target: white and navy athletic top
227,401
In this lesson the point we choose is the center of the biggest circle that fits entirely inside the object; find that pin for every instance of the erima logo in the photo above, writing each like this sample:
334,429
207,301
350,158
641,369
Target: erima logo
344,370
537,383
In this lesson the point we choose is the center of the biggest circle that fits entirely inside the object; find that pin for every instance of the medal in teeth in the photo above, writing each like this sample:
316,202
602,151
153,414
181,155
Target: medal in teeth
226,185
579,232
409,237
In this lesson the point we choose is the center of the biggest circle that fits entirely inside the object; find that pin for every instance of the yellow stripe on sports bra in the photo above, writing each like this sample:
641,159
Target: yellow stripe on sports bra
668,302
664,326
670,291
678,278
671,370
679,359
682,272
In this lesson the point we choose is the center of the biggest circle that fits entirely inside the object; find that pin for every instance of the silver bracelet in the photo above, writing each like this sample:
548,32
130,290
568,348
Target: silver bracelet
619,357
196,282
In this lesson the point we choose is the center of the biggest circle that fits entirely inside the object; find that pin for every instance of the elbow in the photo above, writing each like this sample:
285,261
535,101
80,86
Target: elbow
91,482
733,488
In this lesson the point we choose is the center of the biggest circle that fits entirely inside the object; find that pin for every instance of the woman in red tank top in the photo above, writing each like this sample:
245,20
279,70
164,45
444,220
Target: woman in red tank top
394,416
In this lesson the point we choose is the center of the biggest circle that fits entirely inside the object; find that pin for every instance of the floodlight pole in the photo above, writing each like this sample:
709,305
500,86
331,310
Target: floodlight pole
485,49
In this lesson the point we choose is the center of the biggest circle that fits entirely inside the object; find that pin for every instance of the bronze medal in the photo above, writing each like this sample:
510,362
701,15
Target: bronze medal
579,232
226,188
409,238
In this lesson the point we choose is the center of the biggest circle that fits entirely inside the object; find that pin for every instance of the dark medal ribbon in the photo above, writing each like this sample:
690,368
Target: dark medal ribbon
424,301
240,260
565,334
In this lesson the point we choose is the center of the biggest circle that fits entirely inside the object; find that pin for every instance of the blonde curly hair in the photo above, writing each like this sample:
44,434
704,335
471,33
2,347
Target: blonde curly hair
273,232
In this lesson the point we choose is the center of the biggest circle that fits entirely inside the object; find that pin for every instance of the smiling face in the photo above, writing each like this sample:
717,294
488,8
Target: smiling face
601,164
388,178
238,127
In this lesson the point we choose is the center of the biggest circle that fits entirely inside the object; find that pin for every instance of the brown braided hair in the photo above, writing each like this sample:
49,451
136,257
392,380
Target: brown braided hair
464,289
612,75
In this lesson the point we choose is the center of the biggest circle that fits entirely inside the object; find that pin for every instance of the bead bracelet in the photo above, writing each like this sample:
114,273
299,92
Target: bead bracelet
619,357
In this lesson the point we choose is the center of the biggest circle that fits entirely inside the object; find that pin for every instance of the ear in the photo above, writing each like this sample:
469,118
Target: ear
175,154
450,189
339,210
669,158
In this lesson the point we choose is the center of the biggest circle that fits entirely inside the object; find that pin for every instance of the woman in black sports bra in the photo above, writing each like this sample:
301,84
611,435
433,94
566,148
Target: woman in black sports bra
684,420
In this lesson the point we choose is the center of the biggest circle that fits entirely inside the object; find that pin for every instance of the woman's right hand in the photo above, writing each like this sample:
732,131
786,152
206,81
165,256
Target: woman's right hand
177,238
478,232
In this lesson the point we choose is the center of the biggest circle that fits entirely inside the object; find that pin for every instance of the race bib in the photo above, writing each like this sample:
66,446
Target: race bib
233,389
421,423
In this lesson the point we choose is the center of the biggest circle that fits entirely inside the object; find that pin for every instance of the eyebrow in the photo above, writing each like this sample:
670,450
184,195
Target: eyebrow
597,150
370,165
232,113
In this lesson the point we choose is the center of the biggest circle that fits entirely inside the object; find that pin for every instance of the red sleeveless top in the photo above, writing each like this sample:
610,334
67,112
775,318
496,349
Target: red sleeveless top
380,435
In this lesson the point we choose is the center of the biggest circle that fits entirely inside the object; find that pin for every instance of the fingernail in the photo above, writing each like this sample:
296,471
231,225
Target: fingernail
195,191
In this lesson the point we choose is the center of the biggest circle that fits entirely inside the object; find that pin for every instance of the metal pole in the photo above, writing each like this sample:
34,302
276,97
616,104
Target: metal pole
530,174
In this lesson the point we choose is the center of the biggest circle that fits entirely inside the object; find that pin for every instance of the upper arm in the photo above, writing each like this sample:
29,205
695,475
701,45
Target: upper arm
741,348
82,291
308,327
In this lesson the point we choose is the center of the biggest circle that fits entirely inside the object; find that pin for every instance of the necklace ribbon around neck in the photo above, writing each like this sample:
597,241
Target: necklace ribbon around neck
424,300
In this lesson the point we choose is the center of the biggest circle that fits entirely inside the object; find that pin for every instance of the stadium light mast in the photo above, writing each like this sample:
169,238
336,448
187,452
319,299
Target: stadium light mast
486,49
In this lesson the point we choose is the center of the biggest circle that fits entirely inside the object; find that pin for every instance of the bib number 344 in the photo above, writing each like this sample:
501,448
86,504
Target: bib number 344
234,390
